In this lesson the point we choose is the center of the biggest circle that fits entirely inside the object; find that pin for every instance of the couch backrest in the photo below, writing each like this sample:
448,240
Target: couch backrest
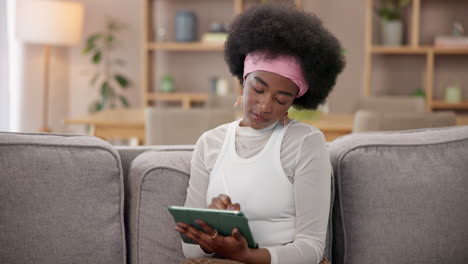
128,154
61,200
157,179
401,197
392,121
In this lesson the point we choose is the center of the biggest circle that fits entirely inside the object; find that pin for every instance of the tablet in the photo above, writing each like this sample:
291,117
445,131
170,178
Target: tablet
222,220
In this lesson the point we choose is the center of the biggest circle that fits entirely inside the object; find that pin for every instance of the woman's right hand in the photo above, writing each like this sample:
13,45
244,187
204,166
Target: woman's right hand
223,202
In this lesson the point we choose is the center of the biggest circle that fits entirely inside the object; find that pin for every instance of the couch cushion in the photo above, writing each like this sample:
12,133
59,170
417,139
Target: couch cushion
401,197
61,200
157,180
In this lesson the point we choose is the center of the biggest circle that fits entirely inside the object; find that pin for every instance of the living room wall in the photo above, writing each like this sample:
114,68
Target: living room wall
72,92
346,19
81,69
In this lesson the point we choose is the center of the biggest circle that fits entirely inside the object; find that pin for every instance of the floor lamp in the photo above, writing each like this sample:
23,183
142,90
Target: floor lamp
50,23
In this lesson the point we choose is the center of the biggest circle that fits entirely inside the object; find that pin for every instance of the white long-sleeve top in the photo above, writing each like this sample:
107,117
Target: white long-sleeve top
306,163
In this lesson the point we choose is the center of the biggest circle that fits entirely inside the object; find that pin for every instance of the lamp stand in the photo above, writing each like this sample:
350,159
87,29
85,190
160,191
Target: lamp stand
45,107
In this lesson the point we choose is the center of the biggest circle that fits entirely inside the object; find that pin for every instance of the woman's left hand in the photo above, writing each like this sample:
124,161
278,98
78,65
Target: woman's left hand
233,247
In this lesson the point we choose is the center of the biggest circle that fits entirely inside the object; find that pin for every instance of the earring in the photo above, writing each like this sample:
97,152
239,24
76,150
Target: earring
238,101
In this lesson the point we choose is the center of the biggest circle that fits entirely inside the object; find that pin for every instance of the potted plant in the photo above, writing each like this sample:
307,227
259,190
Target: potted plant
390,13
108,76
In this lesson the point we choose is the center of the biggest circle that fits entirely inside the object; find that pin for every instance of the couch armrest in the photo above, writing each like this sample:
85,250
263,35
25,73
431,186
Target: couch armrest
401,196
157,180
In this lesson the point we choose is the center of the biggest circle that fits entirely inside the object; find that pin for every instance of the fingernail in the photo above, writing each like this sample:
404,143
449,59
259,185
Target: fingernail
180,225
198,221
230,207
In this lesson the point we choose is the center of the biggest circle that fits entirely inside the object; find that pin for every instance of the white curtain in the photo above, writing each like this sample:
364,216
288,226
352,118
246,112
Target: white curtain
10,69
4,87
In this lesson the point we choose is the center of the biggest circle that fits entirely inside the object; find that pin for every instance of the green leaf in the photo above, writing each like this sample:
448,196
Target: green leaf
91,42
87,49
404,3
105,90
121,80
124,101
96,106
94,79
97,57
392,9
388,5
110,38
92,39
419,92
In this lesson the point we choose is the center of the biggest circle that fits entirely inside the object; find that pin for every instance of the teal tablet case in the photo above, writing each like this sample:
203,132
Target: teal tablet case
222,220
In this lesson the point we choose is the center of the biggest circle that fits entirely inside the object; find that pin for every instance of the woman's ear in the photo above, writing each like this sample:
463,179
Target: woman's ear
245,79
238,102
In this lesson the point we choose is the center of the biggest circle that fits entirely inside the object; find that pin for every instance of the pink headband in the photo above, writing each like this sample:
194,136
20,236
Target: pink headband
284,65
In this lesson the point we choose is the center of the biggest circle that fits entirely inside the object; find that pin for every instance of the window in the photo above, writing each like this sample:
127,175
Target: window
10,59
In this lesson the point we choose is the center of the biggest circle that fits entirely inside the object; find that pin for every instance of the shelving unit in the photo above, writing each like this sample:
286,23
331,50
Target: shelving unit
151,48
185,98
176,46
414,47
440,104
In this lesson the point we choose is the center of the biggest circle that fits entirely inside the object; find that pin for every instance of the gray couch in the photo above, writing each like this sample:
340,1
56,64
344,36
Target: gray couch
365,121
400,197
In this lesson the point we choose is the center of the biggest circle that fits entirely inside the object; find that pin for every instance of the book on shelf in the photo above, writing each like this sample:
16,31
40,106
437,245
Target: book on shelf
451,42
214,37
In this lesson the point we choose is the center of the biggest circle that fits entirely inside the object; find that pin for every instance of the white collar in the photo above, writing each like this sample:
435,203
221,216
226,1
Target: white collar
248,131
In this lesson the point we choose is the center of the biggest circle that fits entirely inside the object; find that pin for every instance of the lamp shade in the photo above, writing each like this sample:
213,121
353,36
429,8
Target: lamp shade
49,22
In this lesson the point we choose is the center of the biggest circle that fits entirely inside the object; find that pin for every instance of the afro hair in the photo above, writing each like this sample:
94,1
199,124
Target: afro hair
281,29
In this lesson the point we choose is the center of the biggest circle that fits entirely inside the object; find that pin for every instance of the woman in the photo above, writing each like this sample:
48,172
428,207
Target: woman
276,170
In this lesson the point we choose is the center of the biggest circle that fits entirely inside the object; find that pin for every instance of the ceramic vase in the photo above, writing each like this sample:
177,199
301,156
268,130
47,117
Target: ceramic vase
392,32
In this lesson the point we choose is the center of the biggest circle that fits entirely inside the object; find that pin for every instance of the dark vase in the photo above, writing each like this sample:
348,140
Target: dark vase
185,26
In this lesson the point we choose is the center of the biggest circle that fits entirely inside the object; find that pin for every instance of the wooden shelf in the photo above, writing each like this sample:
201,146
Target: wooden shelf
440,104
185,98
150,64
189,46
398,50
417,50
453,51
413,47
